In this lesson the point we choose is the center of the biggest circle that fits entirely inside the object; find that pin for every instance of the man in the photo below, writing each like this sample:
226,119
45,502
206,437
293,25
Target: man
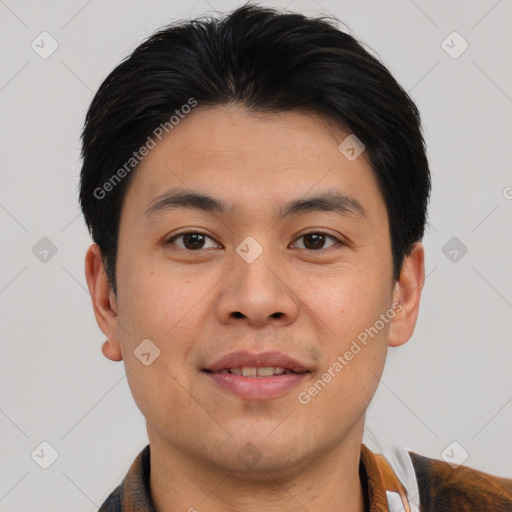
256,187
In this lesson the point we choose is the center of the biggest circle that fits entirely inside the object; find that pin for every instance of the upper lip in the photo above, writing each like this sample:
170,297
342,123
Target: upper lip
264,359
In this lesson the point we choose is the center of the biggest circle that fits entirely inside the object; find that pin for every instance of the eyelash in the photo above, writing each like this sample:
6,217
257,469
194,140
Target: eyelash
315,232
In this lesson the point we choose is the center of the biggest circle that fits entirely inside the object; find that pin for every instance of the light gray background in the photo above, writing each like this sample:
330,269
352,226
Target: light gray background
451,382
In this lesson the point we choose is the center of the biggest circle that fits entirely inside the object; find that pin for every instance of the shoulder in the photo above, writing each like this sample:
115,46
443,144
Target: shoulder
462,489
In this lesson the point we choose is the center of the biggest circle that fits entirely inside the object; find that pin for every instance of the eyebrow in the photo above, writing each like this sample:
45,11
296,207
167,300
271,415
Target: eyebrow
328,201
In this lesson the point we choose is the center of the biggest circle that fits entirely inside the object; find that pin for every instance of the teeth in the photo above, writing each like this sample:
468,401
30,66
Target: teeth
267,371
251,371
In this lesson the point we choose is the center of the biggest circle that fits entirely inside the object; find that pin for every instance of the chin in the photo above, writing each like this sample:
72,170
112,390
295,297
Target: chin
261,458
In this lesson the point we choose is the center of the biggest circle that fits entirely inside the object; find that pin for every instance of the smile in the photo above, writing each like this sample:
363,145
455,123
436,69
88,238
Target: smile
253,371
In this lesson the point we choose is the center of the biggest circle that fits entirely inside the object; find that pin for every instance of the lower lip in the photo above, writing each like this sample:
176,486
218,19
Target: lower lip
257,388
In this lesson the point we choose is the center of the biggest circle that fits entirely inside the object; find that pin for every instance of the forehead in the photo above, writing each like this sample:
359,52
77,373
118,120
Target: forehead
250,158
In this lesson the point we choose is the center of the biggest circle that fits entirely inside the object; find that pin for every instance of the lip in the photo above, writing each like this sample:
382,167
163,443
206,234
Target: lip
243,358
256,388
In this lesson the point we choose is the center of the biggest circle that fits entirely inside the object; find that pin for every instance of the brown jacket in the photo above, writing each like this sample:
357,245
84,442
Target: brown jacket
441,488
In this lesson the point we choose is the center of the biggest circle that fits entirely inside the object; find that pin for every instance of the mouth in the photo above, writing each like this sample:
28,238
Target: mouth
257,371
256,376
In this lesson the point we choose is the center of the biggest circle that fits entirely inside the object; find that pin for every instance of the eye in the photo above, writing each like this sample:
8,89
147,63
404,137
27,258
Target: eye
192,240
196,241
315,240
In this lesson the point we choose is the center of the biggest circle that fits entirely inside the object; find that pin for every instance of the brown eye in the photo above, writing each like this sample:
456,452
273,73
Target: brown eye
192,241
315,241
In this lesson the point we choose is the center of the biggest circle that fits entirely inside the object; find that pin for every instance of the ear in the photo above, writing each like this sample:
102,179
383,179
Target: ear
103,302
407,295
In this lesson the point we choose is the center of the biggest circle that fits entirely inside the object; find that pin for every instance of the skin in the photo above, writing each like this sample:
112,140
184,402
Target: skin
197,305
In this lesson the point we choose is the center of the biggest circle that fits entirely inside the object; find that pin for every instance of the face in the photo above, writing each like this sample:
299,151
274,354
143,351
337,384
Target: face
256,298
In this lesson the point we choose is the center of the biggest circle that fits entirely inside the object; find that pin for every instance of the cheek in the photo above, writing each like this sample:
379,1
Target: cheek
347,302
160,393
153,306
156,299
350,306
353,354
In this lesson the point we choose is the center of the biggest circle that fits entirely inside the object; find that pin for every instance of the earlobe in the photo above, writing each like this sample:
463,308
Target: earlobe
103,301
407,295
112,351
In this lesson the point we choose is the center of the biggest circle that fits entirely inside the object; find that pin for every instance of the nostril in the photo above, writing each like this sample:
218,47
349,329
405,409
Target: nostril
237,314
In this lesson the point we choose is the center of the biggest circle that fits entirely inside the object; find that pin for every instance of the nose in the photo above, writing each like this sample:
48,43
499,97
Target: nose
256,294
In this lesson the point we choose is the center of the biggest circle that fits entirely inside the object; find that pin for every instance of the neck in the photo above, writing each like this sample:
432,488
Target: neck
331,481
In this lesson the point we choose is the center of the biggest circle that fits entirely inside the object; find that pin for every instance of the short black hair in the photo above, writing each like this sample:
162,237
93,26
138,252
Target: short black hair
267,61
